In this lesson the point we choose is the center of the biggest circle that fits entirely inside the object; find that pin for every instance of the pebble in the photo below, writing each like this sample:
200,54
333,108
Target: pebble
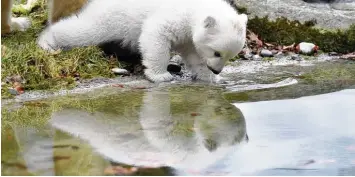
266,53
120,71
257,57
247,56
279,54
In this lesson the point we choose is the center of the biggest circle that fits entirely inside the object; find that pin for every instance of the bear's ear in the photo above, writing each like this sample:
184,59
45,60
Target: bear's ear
209,22
244,18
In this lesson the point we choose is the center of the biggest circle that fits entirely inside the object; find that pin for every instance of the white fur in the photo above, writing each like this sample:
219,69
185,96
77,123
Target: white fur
155,28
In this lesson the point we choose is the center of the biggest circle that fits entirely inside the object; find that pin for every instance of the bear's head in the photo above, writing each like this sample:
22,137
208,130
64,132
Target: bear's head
218,39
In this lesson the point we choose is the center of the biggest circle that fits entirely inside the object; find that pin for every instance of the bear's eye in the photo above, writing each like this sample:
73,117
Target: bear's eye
217,54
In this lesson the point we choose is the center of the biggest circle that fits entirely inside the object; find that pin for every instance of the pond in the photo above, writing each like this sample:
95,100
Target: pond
186,129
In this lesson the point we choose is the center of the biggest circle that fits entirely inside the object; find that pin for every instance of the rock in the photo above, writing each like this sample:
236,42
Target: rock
257,57
266,53
248,56
13,91
255,50
120,71
333,54
296,57
274,52
279,54
306,48
350,56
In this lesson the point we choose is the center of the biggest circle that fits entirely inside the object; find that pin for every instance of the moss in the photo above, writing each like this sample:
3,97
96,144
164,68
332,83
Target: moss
42,70
236,97
322,78
337,73
283,31
268,58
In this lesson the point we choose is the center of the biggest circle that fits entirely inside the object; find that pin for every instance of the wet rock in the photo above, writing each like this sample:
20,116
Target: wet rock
257,57
333,54
296,57
350,56
120,71
266,53
279,54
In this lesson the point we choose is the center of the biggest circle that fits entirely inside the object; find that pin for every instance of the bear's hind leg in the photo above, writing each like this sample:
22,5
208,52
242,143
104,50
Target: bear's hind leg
74,32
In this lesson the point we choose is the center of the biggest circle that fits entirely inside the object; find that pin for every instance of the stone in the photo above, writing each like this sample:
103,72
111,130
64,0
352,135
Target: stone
333,54
266,53
257,57
247,56
120,71
296,57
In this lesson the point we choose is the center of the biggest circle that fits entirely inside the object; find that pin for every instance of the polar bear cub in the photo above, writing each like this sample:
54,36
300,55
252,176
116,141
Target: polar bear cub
205,32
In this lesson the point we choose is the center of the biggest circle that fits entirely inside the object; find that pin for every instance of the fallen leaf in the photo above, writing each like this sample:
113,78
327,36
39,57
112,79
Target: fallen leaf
268,44
118,170
3,50
18,87
118,85
289,47
56,158
195,114
18,165
254,38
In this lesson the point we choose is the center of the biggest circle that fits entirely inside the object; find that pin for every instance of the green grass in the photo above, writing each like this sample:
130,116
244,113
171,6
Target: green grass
42,70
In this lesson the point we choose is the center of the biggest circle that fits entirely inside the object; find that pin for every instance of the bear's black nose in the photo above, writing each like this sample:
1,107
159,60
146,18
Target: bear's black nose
213,70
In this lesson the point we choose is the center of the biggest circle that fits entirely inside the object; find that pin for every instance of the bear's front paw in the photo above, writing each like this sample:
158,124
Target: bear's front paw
206,77
47,42
157,78
20,23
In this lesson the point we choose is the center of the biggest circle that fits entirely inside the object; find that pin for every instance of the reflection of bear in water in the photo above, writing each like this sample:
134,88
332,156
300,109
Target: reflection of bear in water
194,127
176,127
